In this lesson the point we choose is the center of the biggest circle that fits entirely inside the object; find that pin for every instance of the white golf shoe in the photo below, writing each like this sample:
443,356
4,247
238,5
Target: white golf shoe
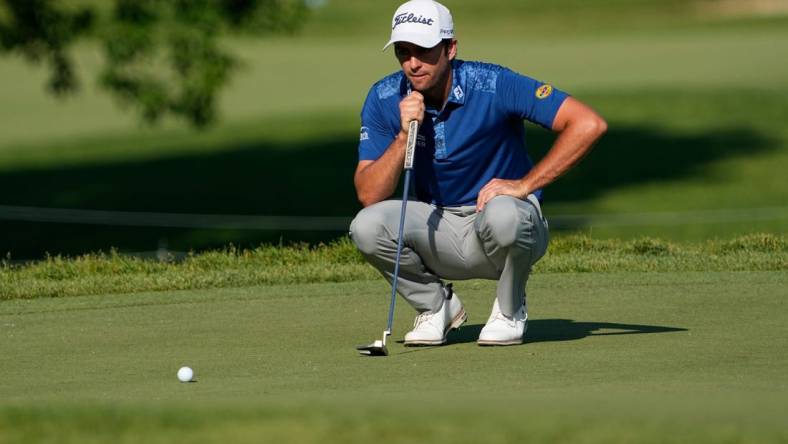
503,330
431,328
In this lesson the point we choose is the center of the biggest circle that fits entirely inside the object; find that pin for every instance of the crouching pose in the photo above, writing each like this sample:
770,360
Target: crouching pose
476,212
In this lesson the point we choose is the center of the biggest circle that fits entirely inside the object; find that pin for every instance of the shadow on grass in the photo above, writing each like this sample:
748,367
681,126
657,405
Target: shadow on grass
556,330
311,178
630,156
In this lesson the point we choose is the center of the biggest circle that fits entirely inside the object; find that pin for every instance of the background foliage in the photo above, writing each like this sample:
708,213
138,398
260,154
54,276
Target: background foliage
161,56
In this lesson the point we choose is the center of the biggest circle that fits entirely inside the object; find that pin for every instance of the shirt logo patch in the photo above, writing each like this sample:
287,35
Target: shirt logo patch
458,92
544,91
364,134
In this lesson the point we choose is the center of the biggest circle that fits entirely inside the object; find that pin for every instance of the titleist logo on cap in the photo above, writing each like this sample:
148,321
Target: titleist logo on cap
409,17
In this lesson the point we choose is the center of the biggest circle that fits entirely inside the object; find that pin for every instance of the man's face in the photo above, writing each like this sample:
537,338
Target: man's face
424,67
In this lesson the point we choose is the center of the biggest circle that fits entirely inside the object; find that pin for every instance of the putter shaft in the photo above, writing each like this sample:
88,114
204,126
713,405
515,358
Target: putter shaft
378,348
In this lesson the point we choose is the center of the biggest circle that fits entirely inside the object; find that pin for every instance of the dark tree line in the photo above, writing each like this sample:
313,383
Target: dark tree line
161,56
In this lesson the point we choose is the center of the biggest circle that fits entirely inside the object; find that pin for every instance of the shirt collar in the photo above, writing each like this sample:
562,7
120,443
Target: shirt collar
457,92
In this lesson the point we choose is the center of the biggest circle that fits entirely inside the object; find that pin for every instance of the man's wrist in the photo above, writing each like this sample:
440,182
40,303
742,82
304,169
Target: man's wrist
402,140
525,189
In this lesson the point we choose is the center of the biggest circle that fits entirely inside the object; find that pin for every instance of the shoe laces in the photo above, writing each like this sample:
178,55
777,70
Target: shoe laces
422,318
509,321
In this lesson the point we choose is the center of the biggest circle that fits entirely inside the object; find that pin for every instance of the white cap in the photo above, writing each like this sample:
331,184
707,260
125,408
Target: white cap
421,22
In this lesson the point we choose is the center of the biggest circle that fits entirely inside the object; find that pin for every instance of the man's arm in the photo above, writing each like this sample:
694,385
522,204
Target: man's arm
578,127
376,180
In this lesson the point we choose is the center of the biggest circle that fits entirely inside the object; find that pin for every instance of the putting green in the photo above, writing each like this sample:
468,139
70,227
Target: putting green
647,357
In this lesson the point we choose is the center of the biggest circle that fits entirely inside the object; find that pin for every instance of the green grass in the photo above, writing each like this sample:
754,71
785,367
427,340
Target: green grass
340,262
611,357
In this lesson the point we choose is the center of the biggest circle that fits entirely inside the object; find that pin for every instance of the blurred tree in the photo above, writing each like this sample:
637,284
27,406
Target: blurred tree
161,56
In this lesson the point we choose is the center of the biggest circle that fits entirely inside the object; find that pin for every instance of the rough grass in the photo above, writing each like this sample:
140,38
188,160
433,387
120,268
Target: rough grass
339,261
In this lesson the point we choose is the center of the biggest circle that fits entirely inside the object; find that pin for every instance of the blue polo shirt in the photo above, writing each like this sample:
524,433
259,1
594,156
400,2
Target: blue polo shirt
478,136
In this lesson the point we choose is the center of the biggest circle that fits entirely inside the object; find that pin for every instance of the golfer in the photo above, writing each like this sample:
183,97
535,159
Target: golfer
476,211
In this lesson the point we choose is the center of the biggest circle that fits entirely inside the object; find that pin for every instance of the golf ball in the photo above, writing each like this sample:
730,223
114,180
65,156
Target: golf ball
185,374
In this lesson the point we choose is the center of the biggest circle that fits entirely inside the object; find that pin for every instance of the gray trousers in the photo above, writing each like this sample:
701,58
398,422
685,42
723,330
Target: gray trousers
454,243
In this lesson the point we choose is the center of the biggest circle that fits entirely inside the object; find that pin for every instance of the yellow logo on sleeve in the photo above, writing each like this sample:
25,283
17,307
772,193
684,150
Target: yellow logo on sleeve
544,91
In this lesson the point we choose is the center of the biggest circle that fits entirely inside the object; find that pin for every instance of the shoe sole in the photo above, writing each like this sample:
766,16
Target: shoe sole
455,324
518,341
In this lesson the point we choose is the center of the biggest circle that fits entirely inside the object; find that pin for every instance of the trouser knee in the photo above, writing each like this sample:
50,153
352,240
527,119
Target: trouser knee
502,222
367,228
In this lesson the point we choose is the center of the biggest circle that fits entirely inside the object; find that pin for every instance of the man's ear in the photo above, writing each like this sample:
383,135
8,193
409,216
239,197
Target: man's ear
451,48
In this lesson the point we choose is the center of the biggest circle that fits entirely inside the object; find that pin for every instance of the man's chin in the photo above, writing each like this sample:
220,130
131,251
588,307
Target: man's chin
420,86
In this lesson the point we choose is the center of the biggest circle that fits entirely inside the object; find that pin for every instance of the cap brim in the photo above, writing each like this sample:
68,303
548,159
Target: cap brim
417,39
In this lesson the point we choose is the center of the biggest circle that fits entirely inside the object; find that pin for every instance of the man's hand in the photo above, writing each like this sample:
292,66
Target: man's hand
411,108
497,187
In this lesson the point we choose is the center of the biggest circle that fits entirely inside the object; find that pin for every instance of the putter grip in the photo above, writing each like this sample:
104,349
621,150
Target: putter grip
410,147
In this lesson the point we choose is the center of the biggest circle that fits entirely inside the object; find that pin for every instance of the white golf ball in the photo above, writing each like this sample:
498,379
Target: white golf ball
185,374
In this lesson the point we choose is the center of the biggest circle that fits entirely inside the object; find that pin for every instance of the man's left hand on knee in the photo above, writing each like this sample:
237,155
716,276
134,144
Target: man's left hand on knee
497,187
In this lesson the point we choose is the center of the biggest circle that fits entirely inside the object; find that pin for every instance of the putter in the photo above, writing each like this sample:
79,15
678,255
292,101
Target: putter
378,348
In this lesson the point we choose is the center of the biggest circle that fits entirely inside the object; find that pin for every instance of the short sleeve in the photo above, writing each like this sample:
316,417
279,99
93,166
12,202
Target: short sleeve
528,99
375,137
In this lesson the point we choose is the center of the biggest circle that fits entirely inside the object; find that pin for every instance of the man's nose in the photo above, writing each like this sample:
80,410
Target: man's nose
415,63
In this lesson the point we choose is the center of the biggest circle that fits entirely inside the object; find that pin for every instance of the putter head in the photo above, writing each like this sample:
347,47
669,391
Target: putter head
377,348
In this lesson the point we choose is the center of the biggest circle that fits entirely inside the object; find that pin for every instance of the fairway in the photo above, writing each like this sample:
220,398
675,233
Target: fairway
646,357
